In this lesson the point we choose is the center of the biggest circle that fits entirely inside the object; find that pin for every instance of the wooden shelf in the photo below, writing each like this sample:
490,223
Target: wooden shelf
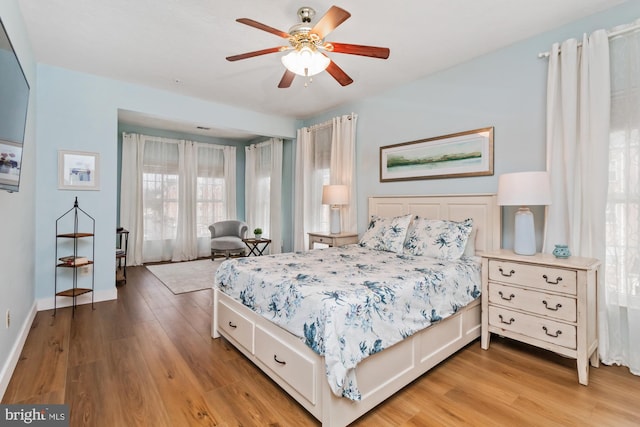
74,292
75,235
74,266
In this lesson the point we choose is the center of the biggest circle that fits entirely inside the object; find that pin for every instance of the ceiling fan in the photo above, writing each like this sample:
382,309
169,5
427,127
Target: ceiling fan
307,46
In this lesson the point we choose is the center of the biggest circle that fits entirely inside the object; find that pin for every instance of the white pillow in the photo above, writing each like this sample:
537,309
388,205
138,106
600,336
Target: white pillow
470,248
438,238
386,234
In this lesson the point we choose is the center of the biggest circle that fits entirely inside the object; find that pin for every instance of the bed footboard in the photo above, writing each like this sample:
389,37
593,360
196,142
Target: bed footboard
300,372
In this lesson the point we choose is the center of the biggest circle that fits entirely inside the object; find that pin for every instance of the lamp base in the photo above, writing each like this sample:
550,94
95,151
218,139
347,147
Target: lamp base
525,238
335,219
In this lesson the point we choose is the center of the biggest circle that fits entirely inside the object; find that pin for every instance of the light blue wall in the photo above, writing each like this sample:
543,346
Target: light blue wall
505,89
78,111
17,214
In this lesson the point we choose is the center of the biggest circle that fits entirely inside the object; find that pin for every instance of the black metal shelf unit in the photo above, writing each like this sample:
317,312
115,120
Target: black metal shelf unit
74,262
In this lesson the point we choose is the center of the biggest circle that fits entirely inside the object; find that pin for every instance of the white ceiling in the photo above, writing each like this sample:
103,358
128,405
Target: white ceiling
181,45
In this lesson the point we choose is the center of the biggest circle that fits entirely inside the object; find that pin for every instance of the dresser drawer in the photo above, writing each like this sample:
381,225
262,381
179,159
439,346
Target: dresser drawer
543,329
235,325
325,240
297,370
538,302
535,276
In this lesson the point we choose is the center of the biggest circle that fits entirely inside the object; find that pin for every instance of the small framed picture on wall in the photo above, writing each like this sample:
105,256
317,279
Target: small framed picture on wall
78,170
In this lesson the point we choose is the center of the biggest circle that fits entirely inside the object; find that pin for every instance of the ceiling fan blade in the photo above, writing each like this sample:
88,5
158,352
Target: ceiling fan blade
338,74
334,17
263,27
287,79
355,49
254,53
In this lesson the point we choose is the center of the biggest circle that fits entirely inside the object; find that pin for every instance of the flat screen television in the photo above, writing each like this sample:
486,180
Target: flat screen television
14,101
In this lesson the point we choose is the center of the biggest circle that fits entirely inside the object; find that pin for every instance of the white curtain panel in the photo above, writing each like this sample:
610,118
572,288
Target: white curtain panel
212,170
275,205
343,163
160,198
230,181
620,303
131,195
185,246
578,104
263,196
258,186
313,162
171,191
302,164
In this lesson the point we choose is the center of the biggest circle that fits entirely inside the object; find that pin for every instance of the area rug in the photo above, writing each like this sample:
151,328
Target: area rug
181,277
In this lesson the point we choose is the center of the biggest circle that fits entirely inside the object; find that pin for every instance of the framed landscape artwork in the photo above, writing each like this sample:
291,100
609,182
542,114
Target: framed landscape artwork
78,170
460,154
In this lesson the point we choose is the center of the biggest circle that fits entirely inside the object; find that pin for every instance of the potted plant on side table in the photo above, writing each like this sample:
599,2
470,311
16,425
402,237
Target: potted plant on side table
257,233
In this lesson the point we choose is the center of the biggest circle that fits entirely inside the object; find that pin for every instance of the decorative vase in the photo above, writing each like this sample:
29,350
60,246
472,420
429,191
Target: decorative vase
561,251
258,236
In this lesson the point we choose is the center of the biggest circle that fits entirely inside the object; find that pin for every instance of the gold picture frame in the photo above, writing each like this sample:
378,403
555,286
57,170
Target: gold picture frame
456,155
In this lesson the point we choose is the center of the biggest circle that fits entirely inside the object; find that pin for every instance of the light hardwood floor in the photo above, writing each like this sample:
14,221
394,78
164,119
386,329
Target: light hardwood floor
148,359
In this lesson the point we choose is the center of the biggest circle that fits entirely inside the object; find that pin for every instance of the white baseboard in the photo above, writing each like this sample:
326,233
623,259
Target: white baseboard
16,350
104,295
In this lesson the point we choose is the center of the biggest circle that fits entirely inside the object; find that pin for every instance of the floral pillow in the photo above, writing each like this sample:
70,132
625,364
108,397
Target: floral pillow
437,238
386,234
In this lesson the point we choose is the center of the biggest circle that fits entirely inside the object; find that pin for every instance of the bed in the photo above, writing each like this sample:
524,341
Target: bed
337,398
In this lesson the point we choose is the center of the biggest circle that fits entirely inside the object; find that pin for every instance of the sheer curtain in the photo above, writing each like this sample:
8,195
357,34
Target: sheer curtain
185,246
313,161
263,197
214,199
171,191
325,154
343,161
159,199
620,312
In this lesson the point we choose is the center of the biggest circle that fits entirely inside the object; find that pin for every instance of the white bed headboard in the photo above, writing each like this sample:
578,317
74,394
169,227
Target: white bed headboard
481,207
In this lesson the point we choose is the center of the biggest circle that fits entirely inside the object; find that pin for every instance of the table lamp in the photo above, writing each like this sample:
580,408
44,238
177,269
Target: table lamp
335,195
524,189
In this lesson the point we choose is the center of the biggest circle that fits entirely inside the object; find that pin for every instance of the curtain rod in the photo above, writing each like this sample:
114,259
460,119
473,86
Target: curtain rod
610,34
327,123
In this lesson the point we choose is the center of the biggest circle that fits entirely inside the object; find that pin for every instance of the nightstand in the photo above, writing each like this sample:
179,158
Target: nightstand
544,301
340,239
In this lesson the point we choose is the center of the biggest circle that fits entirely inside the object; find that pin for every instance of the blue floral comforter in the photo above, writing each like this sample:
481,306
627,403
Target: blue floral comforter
350,302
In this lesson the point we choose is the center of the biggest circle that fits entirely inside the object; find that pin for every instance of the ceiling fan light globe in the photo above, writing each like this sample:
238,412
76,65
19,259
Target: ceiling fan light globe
305,62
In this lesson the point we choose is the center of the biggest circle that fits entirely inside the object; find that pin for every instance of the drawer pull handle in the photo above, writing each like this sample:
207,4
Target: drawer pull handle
551,308
506,275
232,325
275,357
546,279
558,332
512,296
503,321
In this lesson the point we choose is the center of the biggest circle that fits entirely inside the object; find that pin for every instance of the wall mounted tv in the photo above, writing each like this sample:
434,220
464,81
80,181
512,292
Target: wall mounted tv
14,100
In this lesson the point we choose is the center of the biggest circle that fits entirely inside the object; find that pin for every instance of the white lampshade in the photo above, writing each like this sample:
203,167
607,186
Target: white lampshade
524,189
335,195
306,62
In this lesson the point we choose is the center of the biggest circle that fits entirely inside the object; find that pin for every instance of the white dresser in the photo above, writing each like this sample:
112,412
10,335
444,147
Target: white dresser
543,301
